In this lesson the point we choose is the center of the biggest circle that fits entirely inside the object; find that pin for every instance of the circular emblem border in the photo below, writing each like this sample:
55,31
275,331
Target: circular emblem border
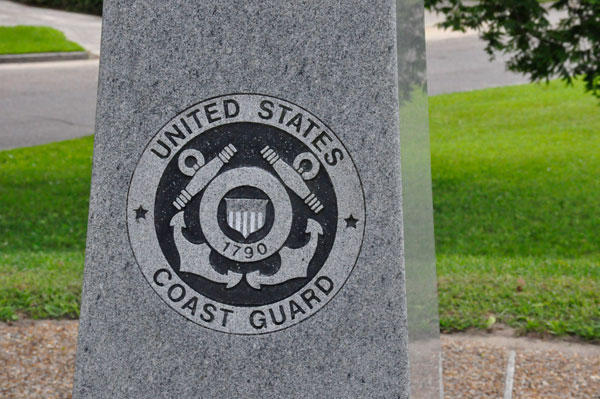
243,320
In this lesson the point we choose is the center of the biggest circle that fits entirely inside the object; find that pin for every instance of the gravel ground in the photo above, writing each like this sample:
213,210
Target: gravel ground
475,367
37,359
559,376
37,362
473,371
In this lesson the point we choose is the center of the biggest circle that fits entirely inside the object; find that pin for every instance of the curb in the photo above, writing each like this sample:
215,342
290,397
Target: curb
41,57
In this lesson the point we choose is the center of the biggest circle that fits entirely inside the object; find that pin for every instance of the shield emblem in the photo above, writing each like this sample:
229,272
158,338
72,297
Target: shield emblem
246,215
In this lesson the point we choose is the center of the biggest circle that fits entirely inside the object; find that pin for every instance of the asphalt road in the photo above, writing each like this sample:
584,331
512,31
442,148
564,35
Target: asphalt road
461,64
45,102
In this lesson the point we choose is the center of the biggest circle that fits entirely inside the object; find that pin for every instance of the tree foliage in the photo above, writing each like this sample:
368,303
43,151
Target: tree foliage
539,48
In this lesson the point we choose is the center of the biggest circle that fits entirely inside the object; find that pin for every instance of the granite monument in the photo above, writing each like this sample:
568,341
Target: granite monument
245,235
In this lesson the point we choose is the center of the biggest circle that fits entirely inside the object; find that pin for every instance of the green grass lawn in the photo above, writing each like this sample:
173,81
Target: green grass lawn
517,213
34,39
516,183
43,214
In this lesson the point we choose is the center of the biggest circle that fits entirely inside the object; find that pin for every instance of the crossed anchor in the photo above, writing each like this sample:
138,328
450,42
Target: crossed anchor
195,257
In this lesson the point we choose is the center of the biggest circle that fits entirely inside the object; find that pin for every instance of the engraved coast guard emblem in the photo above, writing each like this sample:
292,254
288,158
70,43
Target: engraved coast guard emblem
246,214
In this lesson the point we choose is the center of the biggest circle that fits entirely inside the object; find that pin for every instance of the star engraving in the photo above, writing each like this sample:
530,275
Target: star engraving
140,213
351,221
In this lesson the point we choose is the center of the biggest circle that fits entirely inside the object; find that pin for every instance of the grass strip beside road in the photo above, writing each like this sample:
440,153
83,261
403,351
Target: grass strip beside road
34,39
516,193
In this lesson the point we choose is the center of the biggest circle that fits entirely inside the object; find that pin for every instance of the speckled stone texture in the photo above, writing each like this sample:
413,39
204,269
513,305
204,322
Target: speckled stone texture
337,59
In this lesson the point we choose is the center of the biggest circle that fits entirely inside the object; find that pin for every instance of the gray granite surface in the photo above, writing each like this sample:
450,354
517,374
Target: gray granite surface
337,59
